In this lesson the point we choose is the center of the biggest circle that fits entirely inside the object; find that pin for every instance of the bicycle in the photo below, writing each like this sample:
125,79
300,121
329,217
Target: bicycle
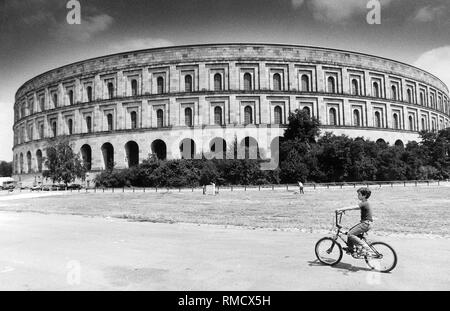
382,257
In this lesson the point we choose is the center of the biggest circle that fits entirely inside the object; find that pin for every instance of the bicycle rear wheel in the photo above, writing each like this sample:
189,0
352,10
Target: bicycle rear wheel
328,251
382,258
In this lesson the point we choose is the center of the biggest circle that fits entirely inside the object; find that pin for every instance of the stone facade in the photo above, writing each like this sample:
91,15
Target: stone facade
123,107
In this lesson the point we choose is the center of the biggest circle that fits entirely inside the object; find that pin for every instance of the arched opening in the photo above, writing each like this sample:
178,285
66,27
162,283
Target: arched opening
411,123
188,117
376,89
307,111
394,92
218,147
89,93
409,94
132,152
21,163
332,116
305,83
28,162
109,119
70,97
278,115
86,156
42,103
331,84
277,82
248,115
160,85
134,87
355,87
108,156
396,121
54,128
89,124
55,100
160,118
399,144
187,148
356,118
249,148
70,126
424,125
247,82
39,160
188,83
381,142
133,117
218,116
110,90
159,149
275,149
422,99
217,82
377,119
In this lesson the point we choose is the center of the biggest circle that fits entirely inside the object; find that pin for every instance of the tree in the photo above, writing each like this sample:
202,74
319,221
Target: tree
62,163
303,127
5,169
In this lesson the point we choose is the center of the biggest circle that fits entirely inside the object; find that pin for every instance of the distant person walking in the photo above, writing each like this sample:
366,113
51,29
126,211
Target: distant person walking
300,186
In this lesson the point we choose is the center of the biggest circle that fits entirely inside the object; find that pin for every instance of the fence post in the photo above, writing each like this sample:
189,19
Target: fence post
123,189
416,183
341,186
156,188
133,189
287,187
231,187
113,189
245,188
144,189
404,184
273,187
314,186
259,187
438,182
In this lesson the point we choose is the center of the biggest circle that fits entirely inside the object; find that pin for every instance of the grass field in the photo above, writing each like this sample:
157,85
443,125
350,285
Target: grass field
421,210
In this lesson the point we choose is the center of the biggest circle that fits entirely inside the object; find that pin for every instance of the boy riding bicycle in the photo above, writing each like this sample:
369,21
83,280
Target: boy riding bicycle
365,224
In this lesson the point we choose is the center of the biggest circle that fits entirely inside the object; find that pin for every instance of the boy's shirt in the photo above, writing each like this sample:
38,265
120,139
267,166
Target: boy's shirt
366,211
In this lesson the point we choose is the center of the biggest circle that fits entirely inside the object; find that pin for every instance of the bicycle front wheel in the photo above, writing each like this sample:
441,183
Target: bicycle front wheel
328,251
382,258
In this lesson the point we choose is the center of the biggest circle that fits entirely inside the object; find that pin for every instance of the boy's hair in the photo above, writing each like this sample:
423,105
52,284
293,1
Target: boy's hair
365,192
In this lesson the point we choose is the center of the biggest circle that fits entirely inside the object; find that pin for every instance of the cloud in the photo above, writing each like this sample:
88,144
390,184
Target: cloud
340,11
83,32
429,14
296,4
437,62
138,44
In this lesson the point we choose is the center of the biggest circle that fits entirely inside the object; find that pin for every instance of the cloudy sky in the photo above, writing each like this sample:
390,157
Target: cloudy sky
35,37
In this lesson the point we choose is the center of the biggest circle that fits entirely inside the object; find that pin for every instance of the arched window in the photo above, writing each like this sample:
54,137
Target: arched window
424,125
109,118
55,101
134,87
433,125
332,116
110,90
411,123
396,122
133,117
41,131
375,89
247,82
305,83
70,126
188,83
307,110
356,118
188,117
160,85
331,84
248,115
377,119
409,94
218,115
39,160
355,87
422,99
70,97
42,103
278,115
277,82
54,128
217,82
89,93
160,118
394,92
89,124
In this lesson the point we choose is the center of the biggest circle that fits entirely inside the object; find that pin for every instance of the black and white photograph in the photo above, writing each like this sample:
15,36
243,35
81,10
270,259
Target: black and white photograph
224,150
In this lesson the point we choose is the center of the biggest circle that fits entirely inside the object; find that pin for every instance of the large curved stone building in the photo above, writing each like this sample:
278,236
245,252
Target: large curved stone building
123,107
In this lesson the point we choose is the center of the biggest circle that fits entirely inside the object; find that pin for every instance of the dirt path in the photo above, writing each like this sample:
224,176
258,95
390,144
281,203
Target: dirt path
63,252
